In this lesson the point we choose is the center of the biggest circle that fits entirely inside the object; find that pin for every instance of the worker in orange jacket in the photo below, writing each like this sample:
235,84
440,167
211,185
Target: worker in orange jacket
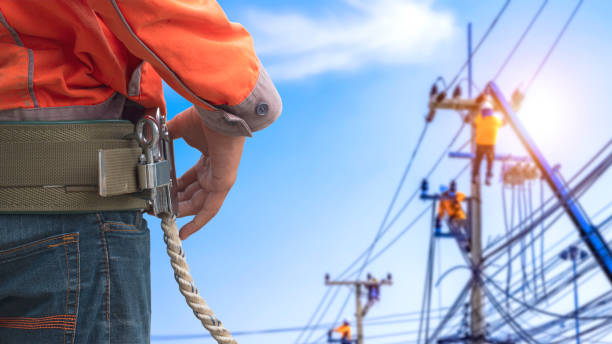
487,125
345,333
450,206
85,278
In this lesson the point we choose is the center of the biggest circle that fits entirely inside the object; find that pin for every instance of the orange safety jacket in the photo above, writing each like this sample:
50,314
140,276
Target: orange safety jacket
83,59
451,206
487,128
344,330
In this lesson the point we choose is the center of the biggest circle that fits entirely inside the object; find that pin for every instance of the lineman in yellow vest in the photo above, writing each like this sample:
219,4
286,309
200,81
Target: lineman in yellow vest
487,125
450,204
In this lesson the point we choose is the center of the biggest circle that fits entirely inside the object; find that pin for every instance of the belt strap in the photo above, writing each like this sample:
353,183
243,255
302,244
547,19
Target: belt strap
53,166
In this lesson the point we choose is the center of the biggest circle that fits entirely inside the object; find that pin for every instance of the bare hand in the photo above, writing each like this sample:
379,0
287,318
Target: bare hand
204,187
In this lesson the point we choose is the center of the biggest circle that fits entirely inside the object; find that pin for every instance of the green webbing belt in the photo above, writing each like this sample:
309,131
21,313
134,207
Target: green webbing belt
53,167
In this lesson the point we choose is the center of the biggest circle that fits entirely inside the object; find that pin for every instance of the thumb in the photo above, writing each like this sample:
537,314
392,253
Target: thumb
182,124
189,126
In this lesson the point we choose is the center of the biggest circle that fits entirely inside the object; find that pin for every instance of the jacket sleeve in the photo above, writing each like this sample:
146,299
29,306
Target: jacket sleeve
200,54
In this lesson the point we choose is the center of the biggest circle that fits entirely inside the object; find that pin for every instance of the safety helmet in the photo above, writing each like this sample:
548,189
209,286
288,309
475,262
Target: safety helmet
487,107
443,188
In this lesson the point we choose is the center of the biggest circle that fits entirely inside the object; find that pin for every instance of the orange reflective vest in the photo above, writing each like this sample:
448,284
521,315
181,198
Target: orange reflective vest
344,330
87,57
486,129
451,206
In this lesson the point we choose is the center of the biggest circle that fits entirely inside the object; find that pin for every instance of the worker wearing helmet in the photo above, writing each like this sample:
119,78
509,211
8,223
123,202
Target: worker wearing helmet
74,259
373,288
345,332
450,206
487,125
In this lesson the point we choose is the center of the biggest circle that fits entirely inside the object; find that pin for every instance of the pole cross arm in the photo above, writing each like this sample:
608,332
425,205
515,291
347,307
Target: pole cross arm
360,283
455,104
588,232
500,157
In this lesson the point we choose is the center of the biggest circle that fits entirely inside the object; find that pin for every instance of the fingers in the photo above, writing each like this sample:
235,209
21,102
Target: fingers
191,176
189,191
212,204
193,205
188,178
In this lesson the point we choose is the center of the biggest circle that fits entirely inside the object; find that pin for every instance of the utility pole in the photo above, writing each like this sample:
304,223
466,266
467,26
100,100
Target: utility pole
358,284
476,299
439,101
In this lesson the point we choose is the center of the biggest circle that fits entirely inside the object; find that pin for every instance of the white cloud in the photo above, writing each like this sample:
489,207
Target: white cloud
367,32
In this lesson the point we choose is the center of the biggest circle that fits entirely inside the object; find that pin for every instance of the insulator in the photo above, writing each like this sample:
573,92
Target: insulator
424,186
433,91
517,99
457,92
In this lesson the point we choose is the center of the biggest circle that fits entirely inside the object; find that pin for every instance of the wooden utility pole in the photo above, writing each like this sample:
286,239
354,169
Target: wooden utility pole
358,308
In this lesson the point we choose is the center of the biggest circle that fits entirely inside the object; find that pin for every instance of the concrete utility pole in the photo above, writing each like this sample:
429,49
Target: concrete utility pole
476,300
358,308
439,101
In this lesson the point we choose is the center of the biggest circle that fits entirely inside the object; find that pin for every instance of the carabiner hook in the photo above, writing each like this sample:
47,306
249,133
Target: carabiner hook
147,144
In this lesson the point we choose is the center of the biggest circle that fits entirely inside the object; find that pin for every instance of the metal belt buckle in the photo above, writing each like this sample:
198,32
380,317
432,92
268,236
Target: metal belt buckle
156,171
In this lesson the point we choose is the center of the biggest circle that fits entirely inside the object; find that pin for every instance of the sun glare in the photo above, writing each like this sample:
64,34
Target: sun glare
543,114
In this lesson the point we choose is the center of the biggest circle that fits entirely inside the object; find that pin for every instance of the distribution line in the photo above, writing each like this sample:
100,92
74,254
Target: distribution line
479,44
376,321
520,41
395,218
554,45
379,233
582,191
543,311
482,40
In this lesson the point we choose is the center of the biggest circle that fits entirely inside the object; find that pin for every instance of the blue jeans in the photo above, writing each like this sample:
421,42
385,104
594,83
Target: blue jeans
75,278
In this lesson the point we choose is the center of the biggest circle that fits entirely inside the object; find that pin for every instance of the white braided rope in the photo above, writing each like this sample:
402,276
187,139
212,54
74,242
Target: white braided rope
187,286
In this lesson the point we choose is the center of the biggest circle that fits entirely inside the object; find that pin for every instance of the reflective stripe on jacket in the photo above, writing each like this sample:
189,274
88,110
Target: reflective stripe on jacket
451,206
486,129
88,56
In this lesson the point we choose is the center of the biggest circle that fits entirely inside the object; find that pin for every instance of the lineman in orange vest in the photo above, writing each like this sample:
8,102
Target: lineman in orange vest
450,204
487,125
345,332
92,60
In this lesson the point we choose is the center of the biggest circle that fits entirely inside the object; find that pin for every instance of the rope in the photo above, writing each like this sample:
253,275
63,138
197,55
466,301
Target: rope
186,285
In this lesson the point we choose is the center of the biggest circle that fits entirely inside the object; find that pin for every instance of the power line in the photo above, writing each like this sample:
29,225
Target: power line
520,40
479,44
554,45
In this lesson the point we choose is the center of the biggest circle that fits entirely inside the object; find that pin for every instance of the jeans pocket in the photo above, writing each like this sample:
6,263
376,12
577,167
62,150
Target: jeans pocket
128,252
39,291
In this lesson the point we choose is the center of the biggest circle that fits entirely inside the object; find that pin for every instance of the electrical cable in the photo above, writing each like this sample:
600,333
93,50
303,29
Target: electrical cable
554,45
396,217
479,44
520,40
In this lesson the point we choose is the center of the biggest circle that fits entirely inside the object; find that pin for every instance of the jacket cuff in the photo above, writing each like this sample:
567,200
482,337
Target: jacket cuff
262,107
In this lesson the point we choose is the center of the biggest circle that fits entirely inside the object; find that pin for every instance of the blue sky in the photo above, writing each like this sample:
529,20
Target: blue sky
312,189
